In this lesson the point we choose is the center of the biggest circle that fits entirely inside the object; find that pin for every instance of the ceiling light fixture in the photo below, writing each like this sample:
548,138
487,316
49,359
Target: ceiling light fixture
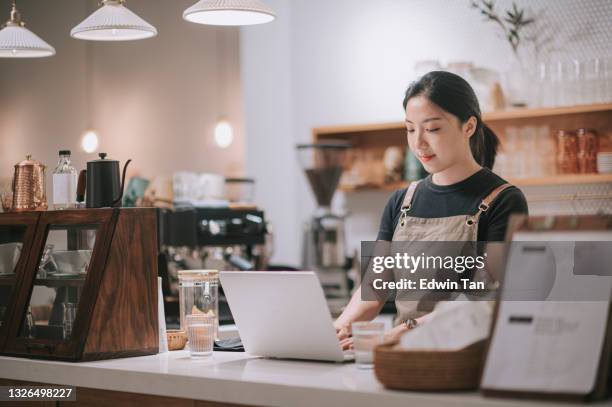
16,41
229,12
113,22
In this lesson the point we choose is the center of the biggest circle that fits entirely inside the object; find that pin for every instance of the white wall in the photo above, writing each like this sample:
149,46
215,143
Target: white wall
155,101
268,105
349,62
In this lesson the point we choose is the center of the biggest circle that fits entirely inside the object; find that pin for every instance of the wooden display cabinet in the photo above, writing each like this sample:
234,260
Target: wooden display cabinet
85,284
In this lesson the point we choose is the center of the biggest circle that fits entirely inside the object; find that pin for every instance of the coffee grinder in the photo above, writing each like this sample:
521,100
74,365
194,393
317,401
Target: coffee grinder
324,249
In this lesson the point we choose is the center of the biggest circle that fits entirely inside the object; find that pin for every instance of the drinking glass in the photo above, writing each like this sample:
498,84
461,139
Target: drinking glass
529,152
69,312
545,96
514,149
606,79
563,81
200,334
593,78
366,336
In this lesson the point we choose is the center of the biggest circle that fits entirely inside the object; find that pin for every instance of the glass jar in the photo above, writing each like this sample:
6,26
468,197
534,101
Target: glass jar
198,294
240,190
567,152
588,147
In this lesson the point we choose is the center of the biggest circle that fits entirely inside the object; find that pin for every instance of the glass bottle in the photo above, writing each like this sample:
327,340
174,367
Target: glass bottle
64,182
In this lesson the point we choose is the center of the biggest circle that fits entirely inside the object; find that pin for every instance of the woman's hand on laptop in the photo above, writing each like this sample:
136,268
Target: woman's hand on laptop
343,331
346,343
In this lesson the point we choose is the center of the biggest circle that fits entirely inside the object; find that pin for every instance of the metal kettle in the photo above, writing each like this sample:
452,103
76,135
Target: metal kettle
102,183
29,186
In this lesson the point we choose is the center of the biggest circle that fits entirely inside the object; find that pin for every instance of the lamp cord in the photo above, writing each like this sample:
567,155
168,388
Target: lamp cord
15,16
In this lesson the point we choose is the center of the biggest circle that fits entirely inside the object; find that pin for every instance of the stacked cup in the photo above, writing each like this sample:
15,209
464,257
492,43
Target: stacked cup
604,163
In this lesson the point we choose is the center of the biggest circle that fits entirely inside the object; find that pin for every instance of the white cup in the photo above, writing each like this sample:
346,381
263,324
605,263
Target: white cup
366,336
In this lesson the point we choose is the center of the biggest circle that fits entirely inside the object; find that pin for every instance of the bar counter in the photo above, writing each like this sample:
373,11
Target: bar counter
230,379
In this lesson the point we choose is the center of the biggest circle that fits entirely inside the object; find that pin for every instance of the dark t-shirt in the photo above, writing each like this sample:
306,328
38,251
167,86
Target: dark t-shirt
436,201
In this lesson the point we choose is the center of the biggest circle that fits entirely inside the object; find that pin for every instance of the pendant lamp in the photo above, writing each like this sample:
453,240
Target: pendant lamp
16,41
113,22
229,12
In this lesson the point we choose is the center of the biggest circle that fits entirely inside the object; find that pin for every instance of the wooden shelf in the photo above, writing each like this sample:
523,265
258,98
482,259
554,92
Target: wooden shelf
7,279
75,281
519,182
376,138
323,132
563,180
394,186
517,114
514,114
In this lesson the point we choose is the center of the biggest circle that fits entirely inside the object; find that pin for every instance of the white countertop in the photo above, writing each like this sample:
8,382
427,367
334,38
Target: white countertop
239,378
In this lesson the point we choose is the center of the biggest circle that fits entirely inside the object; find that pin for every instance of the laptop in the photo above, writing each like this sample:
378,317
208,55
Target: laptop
282,314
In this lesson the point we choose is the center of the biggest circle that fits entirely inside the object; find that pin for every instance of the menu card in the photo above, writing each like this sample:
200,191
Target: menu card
553,346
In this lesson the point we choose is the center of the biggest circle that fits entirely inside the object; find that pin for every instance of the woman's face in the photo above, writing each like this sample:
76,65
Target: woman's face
437,137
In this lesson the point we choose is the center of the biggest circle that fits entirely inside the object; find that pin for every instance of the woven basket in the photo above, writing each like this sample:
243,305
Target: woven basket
428,370
176,339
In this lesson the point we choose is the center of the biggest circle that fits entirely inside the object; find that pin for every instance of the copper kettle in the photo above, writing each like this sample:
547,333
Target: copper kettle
29,186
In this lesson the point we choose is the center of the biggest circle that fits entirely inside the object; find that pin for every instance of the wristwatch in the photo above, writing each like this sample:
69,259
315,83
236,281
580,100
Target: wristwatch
411,323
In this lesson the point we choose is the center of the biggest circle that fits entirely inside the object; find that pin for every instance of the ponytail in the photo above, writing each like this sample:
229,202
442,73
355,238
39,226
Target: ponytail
484,144
453,94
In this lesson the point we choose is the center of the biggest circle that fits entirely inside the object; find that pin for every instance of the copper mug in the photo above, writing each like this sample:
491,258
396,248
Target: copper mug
29,186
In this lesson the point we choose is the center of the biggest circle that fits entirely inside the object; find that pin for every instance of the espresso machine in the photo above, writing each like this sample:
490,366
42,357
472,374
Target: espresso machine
324,247
193,238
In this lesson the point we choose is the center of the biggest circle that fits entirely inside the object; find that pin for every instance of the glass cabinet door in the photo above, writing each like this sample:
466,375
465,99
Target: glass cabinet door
59,281
11,245
16,234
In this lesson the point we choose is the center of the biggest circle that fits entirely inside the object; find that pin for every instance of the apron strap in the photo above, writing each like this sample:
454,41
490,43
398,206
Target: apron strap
407,204
486,202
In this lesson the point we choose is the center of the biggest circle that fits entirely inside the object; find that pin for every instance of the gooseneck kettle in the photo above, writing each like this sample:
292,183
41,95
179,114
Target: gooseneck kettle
102,183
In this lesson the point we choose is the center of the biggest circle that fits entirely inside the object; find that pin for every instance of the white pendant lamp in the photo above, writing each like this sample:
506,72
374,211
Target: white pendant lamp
113,22
229,12
16,41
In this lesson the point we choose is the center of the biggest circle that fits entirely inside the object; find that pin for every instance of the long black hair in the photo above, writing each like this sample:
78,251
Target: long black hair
453,94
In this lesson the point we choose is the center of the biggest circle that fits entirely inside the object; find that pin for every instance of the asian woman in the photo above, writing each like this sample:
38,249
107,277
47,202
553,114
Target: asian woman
460,200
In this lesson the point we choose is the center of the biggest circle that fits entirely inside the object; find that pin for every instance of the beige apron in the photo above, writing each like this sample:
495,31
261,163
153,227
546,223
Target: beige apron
459,228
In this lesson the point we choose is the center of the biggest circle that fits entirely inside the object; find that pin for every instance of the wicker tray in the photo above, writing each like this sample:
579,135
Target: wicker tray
429,370
176,339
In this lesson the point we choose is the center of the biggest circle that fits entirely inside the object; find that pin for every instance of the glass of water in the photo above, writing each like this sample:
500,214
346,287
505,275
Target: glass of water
69,311
200,334
366,336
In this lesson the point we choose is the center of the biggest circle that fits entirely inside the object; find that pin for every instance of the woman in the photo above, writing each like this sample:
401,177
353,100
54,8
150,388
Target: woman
446,133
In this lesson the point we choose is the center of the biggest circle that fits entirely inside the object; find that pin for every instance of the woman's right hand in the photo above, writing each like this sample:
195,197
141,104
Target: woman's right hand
346,343
343,330
343,333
